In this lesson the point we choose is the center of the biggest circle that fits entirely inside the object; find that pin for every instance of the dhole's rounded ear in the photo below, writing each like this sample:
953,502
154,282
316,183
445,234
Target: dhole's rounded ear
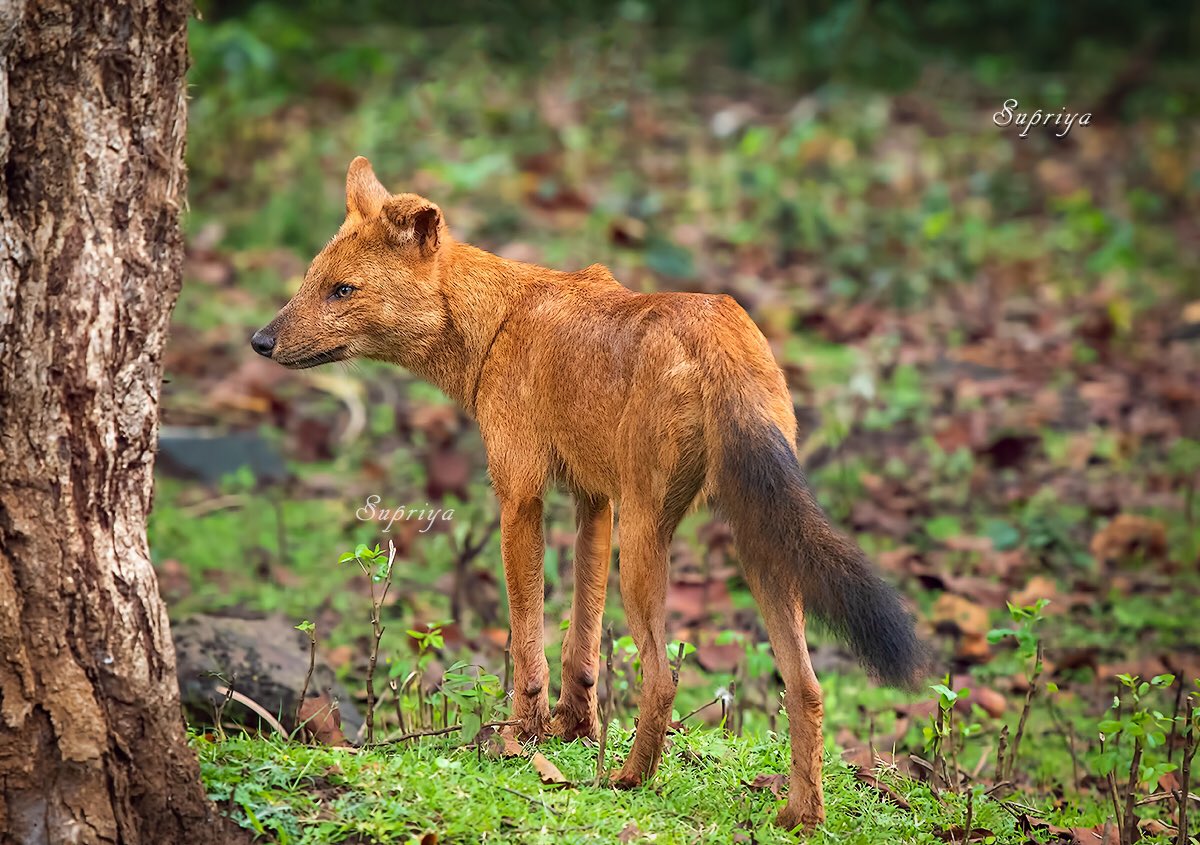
414,219
365,194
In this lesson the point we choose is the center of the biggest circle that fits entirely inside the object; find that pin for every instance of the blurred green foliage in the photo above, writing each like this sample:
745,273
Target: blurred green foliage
883,43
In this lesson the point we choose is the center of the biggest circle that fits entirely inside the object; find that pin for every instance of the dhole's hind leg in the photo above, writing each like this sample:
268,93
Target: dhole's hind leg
781,608
643,563
523,550
575,714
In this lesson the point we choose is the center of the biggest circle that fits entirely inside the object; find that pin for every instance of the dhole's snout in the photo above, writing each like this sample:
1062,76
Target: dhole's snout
263,342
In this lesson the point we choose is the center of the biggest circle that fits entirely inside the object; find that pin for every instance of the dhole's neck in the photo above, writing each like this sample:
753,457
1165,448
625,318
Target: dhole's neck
479,291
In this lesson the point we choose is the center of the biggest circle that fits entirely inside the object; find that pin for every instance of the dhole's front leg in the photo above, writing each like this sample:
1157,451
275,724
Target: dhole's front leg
575,714
523,550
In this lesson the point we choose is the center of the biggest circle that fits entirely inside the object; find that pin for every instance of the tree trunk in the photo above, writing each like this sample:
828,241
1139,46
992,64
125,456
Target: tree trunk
92,121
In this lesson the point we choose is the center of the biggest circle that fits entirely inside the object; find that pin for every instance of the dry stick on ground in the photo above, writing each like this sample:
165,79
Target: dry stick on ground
1002,755
311,630
248,702
508,661
414,675
719,699
392,740
606,709
1130,820
1173,736
1190,744
226,694
1068,732
1015,749
953,752
734,725
377,630
531,799
395,687
1111,780
938,769
970,816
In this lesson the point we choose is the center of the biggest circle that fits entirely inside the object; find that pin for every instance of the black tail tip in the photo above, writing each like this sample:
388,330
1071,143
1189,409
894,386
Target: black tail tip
883,635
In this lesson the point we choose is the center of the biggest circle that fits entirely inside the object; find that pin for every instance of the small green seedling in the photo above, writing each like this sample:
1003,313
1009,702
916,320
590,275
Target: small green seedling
1027,620
1133,733
943,738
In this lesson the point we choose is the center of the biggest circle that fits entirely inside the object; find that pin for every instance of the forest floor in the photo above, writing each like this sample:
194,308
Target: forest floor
992,346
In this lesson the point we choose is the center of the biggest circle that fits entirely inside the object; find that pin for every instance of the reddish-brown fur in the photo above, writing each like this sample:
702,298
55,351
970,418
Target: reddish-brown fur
654,402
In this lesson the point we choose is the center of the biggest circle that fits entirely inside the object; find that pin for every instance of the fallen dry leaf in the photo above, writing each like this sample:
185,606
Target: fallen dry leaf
548,772
1154,827
882,788
991,702
961,613
773,783
1038,587
504,744
629,833
1129,536
973,648
322,721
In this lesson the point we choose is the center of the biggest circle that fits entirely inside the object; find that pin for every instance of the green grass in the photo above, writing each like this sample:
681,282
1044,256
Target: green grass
702,793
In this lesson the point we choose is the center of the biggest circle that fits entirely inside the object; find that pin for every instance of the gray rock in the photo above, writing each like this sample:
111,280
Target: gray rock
263,658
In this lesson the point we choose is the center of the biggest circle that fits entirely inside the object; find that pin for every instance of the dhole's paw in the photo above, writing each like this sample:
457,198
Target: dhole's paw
790,817
569,726
622,779
533,726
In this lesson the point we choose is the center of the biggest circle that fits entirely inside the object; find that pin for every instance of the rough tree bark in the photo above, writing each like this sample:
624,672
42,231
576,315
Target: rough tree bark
92,119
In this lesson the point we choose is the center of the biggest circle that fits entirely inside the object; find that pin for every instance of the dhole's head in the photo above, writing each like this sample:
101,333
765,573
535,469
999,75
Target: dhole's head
374,291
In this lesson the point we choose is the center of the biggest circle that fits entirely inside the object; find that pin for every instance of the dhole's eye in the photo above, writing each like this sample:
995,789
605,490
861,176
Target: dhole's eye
342,291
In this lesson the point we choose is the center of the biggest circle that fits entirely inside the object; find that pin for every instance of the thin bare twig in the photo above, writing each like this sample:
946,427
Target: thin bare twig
1190,744
392,740
248,702
716,700
1111,780
1002,756
970,816
376,629
1130,825
531,799
606,710
312,663
1159,797
1068,731
1015,749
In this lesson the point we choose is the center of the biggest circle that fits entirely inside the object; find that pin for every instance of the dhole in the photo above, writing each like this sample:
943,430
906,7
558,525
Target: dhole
653,401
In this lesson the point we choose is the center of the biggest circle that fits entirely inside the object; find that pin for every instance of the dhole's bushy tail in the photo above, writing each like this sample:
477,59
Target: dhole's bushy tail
781,531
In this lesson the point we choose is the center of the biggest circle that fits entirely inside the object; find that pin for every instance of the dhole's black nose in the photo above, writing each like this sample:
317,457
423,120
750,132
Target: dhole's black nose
263,343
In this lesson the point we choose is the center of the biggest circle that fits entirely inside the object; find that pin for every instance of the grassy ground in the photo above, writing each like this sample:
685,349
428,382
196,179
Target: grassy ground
705,792
984,336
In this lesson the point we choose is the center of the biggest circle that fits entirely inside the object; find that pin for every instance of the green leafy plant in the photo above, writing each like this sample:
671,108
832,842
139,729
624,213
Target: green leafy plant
377,566
677,652
944,737
1188,726
311,630
1129,739
429,641
475,692
1027,620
